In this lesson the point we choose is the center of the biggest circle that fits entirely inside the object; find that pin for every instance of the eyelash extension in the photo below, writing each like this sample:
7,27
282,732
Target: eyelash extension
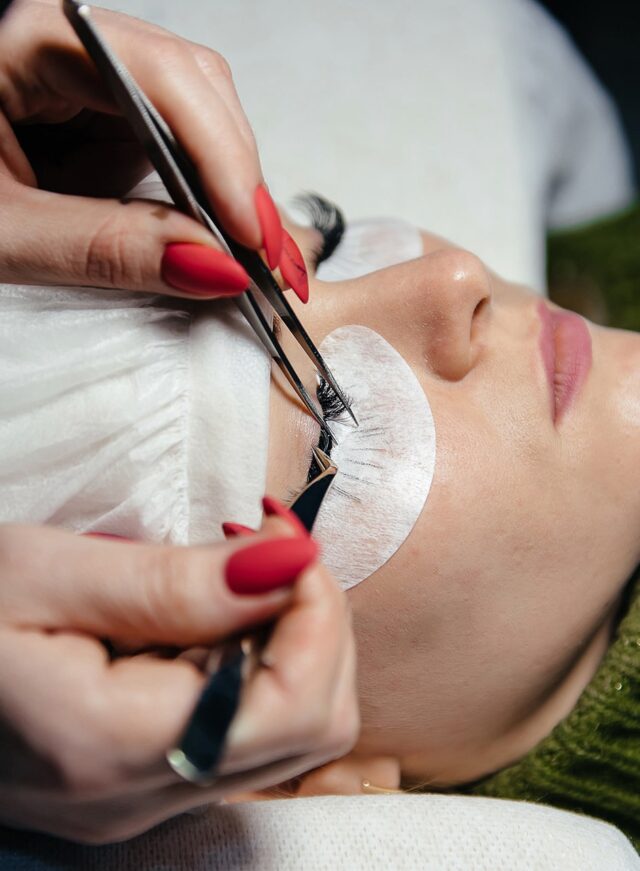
332,409
327,219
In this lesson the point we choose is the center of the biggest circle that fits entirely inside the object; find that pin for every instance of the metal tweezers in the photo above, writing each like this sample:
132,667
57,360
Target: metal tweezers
181,180
202,745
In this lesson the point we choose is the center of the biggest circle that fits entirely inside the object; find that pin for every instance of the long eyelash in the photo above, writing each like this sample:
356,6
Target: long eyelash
332,409
330,402
327,219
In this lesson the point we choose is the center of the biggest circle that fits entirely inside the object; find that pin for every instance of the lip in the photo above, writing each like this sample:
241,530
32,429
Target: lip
565,347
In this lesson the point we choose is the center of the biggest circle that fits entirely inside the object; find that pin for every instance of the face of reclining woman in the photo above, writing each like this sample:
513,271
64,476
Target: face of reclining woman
478,635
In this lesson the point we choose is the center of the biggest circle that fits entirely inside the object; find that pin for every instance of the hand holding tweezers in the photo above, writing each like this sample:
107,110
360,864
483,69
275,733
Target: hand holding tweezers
202,745
181,180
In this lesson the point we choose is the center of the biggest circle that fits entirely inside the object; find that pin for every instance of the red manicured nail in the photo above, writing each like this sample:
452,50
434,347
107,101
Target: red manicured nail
234,530
273,506
202,271
269,565
293,269
270,225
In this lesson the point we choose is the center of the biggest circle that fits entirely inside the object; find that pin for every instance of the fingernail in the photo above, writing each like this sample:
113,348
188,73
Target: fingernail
202,271
293,269
234,530
273,506
269,565
270,225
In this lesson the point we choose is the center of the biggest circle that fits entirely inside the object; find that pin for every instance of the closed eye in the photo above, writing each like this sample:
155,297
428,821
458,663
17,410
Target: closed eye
327,219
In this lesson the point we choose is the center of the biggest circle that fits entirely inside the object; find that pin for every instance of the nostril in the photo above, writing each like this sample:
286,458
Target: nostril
478,330
479,315
480,307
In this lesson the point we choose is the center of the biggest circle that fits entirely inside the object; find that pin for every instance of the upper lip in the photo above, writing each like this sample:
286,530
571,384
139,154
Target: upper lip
565,348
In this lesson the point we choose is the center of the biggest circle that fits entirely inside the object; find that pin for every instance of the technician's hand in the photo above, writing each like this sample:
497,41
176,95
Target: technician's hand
63,146
83,737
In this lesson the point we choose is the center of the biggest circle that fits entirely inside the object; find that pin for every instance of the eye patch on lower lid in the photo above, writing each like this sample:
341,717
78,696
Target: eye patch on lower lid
385,466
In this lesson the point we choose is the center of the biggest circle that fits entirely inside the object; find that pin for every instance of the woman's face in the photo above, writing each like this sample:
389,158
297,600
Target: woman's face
481,631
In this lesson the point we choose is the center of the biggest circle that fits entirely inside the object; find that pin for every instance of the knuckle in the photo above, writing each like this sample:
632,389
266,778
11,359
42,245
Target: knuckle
111,257
345,731
212,63
313,724
174,590
170,55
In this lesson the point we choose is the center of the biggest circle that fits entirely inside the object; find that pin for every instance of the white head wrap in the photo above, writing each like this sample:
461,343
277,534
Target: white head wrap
121,414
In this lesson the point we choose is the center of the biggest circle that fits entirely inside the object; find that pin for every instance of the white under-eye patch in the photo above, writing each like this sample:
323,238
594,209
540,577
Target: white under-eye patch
385,464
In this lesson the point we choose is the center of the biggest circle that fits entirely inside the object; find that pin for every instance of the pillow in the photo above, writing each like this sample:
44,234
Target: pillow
354,833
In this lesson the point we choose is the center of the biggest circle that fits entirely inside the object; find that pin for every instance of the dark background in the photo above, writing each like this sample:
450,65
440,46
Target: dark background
607,32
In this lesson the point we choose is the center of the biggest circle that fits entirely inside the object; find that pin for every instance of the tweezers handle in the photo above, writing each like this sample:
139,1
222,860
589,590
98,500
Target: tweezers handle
203,742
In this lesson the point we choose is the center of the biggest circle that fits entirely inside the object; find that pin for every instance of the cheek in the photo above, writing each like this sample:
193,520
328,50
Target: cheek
498,515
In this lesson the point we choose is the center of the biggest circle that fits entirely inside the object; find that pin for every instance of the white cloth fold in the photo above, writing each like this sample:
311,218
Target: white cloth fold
130,414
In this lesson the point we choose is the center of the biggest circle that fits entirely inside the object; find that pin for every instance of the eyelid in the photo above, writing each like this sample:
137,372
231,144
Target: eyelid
317,254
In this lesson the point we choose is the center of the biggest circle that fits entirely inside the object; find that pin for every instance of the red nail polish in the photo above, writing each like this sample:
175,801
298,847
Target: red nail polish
234,530
293,269
273,506
202,271
269,565
270,225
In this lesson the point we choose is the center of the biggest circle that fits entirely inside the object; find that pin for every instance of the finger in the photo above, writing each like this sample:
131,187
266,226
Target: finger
336,738
135,245
191,86
111,722
203,114
162,595
44,673
290,701
219,75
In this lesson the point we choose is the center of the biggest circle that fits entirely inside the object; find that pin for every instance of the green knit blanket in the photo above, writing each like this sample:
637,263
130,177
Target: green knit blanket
595,269
590,763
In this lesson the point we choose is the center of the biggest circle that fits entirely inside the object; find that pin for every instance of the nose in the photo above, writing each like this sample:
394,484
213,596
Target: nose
449,295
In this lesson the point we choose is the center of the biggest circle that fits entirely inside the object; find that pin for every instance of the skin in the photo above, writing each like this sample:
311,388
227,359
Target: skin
95,769
67,156
478,636
527,535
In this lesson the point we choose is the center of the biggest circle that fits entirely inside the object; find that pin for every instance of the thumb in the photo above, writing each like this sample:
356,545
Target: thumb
53,579
48,238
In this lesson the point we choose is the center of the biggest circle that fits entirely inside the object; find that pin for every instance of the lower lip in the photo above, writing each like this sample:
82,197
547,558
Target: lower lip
565,345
